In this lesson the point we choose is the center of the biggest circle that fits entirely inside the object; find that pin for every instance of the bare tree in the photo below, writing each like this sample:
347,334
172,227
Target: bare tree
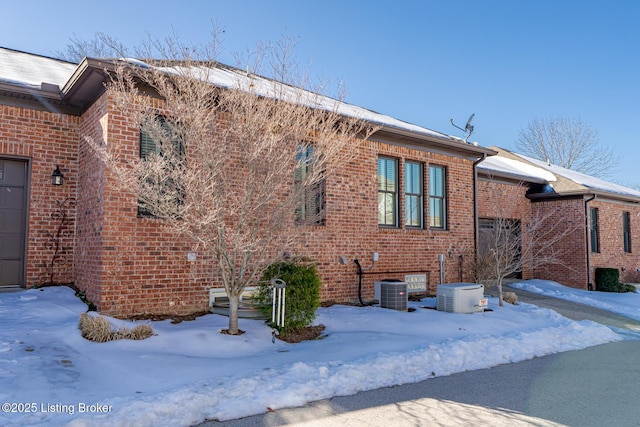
233,161
567,142
512,242
100,46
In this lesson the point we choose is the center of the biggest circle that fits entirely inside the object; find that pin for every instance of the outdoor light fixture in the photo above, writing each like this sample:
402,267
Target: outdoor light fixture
56,176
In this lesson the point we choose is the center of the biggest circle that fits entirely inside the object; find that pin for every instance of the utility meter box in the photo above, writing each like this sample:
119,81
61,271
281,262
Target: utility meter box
461,298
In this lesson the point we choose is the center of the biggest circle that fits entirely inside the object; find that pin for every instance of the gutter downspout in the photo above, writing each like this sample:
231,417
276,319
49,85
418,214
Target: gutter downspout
475,206
588,237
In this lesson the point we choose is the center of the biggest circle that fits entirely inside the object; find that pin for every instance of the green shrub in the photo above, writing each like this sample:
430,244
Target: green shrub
608,280
302,293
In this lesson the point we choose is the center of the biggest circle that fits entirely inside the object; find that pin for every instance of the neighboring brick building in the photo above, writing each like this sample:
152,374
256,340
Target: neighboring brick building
603,217
407,195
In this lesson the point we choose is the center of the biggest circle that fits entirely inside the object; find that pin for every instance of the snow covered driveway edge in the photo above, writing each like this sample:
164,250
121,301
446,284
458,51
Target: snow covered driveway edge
235,397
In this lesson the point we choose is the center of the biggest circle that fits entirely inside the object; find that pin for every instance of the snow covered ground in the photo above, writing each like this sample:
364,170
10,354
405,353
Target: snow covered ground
188,372
627,304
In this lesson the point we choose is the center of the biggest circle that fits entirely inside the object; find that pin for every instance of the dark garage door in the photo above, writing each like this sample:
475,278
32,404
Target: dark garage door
13,179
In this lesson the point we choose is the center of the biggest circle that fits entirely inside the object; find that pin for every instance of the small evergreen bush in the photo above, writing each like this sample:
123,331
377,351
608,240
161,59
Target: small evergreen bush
302,292
608,280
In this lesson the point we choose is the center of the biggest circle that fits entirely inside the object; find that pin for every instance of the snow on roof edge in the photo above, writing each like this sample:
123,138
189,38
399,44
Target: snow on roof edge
588,181
504,165
225,72
31,70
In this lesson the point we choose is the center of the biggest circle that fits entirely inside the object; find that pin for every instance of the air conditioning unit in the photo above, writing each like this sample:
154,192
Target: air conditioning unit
460,298
392,294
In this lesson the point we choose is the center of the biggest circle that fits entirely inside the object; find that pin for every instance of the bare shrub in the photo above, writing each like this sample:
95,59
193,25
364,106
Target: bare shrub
513,241
95,328
139,332
510,297
98,329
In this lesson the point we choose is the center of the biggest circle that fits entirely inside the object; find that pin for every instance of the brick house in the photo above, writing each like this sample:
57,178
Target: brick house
408,196
604,216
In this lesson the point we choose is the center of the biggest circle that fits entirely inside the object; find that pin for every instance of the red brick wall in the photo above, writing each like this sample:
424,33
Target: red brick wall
136,267
501,199
352,226
90,204
45,140
612,253
570,252
508,200
128,265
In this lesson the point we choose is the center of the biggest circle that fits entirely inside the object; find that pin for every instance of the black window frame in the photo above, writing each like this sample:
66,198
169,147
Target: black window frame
594,234
147,146
386,190
438,200
626,232
311,208
413,197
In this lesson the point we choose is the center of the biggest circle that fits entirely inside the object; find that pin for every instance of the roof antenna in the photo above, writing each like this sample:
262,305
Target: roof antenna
468,128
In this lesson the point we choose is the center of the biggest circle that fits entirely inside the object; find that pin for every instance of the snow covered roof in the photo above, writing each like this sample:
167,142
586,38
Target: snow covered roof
33,75
589,182
510,168
230,77
26,69
562,181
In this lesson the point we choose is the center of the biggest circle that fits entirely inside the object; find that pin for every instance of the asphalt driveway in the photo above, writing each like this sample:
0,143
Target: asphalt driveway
576,311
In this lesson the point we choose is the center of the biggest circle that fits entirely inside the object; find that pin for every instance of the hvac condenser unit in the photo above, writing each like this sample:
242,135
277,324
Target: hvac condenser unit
392,294
461,298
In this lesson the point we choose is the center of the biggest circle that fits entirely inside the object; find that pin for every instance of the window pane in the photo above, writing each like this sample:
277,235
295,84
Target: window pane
412,178
310,209
437,196
386,174
387,191
413,194
626,231
412,211
436,212
386,209
165,140
594,230
436,181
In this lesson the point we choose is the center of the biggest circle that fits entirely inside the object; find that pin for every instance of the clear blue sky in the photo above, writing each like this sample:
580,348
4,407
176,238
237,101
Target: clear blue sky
422,61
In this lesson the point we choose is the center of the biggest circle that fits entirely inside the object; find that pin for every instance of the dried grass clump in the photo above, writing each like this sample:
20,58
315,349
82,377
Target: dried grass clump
140,332
510,297
98,329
